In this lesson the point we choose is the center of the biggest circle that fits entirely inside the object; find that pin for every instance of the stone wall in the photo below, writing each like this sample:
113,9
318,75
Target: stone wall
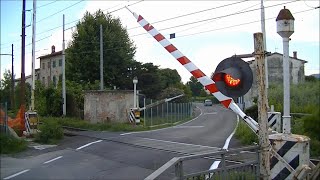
108,105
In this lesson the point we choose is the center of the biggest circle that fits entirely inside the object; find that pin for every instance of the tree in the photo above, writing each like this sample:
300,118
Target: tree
5,89
169,77
83,53
195,86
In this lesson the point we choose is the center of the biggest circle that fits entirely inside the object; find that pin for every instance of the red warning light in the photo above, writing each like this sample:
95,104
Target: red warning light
230,81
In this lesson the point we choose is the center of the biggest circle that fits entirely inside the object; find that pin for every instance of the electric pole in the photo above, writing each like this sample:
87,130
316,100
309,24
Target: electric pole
12,81
23,79
33,53
64,107
101,58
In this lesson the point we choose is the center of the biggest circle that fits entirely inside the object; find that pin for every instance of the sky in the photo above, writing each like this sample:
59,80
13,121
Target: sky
206,31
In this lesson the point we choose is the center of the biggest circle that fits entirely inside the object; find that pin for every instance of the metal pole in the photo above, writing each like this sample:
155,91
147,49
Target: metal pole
101,58
144,112
167,112
12,81
134,94
151,113
263,29
23,43
64,73
286,87
33,52
262,107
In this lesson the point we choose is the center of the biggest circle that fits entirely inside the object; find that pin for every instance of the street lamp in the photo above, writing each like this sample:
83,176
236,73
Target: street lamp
285,28
135,82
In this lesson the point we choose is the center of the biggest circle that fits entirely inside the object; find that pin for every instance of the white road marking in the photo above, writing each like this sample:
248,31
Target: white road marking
179,143
189,127
52,160
81,147
215,164
210,113
16,174
123,134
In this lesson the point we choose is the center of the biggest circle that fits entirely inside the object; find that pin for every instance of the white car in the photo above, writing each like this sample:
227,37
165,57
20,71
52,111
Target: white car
207,102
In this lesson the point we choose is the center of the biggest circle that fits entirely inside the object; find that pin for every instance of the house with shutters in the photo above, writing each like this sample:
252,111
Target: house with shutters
51,68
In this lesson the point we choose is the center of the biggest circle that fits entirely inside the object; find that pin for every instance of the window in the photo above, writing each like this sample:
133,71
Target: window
48,81
49,65
43,66
60,78
54,81
60,62
53,64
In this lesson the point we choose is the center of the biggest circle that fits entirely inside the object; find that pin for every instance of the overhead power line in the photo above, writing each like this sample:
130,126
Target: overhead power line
218,17
60,11
168,19
46,4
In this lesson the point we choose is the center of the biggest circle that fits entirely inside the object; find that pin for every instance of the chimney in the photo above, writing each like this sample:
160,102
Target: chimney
295,54
53,49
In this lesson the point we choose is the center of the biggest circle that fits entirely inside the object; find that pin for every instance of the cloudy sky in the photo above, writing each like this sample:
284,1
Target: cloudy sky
206,31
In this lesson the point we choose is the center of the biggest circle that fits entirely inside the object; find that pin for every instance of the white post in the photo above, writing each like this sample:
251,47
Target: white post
135,81
33,52
286,87
101,58
63,73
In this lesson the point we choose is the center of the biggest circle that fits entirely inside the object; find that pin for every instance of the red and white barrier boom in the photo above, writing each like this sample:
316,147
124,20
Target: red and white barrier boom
207,82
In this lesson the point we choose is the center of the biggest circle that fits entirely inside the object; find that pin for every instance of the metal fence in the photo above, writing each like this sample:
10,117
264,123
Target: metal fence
228,169
166,113
4,118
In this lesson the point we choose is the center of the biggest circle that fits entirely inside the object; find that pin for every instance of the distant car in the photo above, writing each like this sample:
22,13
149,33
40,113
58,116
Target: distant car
207,102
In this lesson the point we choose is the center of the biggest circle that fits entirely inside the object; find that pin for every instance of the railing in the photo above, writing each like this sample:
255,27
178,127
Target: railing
167,113
4,118
228,170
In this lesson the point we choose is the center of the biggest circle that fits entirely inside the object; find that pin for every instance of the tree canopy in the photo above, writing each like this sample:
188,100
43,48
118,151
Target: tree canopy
83,53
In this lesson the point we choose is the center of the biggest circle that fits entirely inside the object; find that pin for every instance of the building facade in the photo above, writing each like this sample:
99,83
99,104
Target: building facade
275,73
51,68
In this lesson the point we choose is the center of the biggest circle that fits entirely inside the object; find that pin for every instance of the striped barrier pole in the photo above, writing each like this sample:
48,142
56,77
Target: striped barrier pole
207,82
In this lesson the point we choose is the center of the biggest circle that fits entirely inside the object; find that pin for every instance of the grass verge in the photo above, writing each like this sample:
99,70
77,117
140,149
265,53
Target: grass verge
11,145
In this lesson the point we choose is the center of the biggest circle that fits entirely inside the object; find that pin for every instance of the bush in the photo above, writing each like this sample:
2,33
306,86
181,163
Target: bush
245,134
252,112
50,133
10,145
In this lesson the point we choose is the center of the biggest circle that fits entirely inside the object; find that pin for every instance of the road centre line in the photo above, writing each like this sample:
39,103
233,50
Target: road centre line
210,113
189,127
16,174
179,143
81,147
52,160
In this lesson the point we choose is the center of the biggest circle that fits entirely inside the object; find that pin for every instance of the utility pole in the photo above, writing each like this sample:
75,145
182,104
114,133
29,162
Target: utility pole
264,157
64,108
263,29
23,43
33,53
12,81
101,58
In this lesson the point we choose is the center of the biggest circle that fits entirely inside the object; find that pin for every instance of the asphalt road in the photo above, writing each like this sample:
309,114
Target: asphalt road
106,155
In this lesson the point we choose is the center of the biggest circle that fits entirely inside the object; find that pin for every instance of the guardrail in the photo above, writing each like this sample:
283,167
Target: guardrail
228,170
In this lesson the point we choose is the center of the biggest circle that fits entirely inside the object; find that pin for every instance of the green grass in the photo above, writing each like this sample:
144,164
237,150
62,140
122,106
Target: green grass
50,133
245,134
305,98
111,126
11,145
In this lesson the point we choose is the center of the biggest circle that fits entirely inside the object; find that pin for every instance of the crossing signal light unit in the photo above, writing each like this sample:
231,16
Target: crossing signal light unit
233,77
